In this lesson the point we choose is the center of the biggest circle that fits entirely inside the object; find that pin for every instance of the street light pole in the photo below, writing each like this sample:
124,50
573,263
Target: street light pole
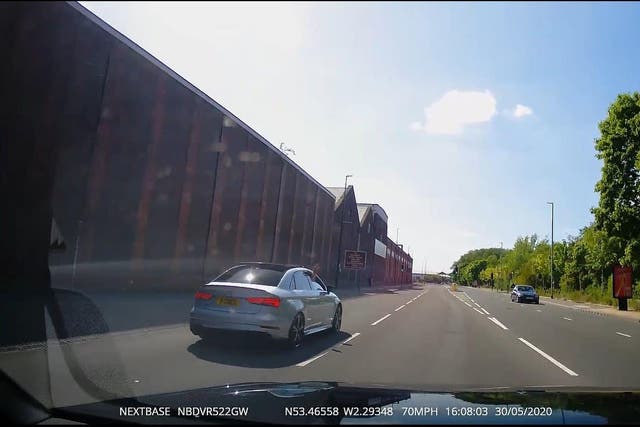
551,267
341,227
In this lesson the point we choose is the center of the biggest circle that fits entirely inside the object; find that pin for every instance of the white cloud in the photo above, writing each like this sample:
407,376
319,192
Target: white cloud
455,110
521,111
467,233
416,126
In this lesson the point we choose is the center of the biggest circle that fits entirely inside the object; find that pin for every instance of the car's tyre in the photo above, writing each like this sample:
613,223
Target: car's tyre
296,332
337,319
195,330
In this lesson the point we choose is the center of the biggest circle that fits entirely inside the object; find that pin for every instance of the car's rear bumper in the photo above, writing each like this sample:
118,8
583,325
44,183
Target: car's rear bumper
263,322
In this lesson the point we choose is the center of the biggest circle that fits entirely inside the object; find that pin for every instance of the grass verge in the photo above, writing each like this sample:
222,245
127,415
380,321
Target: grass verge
592,295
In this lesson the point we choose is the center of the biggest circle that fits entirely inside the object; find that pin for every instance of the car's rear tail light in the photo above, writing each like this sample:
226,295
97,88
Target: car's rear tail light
203,295
270,301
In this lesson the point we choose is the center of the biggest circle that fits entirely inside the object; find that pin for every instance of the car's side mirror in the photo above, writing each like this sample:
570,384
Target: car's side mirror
330,288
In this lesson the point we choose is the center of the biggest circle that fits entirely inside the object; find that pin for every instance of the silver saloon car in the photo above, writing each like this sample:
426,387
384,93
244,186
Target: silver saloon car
283,301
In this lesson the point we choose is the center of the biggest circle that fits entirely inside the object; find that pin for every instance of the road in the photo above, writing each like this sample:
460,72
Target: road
426,337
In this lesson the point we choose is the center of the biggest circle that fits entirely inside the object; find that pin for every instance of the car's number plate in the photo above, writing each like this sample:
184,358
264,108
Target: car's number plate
227,301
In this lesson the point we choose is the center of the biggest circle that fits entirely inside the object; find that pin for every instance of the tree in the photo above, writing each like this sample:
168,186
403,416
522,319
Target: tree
474,269
575,271
463,273
584,262
618,210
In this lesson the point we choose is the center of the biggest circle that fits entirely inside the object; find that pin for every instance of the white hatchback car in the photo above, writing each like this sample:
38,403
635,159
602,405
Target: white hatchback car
283,301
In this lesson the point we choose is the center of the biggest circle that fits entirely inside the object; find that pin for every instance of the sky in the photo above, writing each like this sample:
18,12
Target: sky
462,120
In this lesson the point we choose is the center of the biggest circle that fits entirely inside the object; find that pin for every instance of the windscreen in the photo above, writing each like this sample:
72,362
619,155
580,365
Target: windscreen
255,275
461,179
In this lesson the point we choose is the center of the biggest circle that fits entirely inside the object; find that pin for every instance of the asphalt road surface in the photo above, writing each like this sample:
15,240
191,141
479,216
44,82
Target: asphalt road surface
426,337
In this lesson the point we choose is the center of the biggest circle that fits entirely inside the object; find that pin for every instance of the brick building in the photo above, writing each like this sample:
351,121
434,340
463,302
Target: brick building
387,263
345,210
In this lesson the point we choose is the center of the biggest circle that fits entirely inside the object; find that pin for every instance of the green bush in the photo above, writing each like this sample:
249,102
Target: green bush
591,294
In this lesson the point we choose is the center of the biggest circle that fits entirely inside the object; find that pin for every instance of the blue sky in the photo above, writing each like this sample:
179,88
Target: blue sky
462,120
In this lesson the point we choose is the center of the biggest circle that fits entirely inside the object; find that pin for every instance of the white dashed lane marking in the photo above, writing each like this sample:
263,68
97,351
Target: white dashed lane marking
314,358
566,318
306,362
624,335
497,322
380,320
549,358
478,311
351,337
485,311
400,308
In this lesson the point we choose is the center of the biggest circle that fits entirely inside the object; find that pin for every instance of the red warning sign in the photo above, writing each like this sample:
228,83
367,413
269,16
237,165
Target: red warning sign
622,282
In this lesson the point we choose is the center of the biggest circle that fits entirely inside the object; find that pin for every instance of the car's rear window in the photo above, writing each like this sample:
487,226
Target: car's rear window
255,275
526,288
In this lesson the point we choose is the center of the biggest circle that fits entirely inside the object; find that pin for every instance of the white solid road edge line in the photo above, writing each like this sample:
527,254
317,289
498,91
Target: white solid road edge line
549,358
380,320
400,308
485,311
624,335
497,322
350,338
478,311
306,362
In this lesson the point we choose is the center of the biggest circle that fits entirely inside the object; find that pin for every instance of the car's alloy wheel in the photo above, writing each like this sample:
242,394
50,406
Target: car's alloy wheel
337,319
296,332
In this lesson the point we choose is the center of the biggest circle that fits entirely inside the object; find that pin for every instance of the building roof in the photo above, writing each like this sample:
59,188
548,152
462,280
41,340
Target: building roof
364,208
338,192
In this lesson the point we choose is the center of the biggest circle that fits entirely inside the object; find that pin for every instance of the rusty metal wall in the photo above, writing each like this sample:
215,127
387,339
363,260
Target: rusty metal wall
152,184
